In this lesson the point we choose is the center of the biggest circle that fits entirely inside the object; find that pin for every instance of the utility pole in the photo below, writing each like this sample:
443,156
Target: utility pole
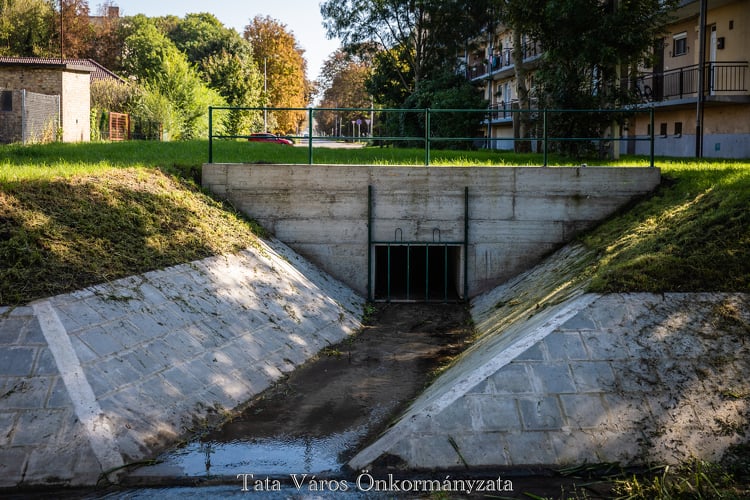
265,94
701,80
62,54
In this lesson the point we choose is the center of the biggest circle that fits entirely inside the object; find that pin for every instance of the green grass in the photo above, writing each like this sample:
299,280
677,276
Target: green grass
76,214
692,234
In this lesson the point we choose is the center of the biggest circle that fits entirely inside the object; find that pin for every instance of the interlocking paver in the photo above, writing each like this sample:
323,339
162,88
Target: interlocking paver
17,361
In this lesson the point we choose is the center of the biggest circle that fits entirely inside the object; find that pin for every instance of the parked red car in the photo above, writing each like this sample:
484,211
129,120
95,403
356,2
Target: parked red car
265,137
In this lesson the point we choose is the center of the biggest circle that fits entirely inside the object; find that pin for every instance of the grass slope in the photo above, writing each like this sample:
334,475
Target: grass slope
72,215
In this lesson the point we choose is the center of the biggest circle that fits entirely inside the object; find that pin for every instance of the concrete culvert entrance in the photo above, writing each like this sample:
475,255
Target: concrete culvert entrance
418,272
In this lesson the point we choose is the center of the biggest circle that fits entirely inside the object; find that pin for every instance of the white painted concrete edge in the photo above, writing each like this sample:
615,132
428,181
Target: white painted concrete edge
95,423
411,421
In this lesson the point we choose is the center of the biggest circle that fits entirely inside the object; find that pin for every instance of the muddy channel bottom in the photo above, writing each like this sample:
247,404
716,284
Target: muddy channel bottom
314,420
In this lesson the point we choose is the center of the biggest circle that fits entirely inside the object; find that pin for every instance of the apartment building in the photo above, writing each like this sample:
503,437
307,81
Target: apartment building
718,124
715,125
492,62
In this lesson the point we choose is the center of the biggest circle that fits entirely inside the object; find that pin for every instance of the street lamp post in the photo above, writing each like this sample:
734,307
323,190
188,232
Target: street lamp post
265,94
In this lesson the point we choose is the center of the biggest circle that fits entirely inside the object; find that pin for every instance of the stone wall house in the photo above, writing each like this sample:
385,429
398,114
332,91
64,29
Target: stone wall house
68,79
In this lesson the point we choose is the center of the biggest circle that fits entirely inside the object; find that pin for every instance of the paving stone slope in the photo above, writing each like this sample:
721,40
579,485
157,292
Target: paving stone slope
133,364
560,377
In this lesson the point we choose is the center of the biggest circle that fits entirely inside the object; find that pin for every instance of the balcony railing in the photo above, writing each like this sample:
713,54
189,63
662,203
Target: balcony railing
720,78
503,59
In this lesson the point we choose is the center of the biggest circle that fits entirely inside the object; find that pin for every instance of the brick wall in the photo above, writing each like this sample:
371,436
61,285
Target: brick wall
32,117
10,120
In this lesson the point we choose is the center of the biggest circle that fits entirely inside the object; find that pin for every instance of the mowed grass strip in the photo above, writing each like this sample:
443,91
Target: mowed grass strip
65,233
691,235
72,215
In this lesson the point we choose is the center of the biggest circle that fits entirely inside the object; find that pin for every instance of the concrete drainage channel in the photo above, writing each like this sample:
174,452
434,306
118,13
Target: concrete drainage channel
554,377
310,423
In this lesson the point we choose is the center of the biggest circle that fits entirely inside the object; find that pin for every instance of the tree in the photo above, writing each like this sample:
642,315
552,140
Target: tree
446,91
77,32
107,40
225,60
342,81
162,69
278,55
26,27
420,37
585,45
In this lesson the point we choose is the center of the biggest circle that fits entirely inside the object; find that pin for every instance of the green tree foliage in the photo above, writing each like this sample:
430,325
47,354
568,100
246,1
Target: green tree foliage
26,27
279,56
161,68
422,37
445,91
588,47
225,60
342,81
391,77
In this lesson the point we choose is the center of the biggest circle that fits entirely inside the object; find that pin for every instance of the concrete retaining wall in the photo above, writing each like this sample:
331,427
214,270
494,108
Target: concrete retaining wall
516,215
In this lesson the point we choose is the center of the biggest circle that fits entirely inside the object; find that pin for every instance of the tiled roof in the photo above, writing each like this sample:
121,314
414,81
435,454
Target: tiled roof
98,72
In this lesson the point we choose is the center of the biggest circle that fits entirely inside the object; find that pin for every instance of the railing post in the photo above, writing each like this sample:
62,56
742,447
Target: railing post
544,135
309,136
210,134
466,243
651,139
369,243
427,137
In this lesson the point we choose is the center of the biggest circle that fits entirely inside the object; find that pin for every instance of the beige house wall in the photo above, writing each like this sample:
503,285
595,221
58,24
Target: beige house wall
76,107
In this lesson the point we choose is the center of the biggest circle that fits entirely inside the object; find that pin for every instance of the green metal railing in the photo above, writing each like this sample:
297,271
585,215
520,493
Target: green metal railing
541,118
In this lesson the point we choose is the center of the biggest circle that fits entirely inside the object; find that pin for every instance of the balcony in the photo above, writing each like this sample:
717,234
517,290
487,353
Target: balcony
478,68
724,81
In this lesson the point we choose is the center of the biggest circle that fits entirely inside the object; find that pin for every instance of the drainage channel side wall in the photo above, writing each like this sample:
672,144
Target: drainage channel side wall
108,376
516,214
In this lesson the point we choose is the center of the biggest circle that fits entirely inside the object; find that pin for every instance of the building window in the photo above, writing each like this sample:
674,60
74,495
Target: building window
6,100
678,129
679,44
663,129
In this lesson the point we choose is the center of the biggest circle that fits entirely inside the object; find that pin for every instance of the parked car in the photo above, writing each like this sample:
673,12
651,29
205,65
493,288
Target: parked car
265,137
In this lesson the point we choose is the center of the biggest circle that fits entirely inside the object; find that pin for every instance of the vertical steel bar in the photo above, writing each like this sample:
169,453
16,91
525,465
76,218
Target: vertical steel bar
445,274
427,137
427,273
466,243
388,291
651,139
210,134
369,243
544,135
408,270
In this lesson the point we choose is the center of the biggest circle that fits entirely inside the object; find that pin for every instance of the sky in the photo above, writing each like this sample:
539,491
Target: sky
302,17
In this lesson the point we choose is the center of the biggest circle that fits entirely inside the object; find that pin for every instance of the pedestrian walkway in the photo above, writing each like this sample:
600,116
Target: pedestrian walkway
95,380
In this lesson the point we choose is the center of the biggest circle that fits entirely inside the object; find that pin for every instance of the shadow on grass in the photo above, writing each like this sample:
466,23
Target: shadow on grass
61,235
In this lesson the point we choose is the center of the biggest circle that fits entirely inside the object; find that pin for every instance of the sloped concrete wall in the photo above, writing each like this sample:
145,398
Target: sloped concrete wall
97,379
516,215
559,377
